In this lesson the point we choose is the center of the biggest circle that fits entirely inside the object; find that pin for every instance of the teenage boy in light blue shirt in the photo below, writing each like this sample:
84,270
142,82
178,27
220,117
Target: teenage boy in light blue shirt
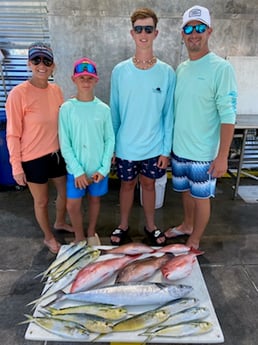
141,104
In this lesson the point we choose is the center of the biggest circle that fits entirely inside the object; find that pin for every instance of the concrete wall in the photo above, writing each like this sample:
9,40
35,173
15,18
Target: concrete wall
100,29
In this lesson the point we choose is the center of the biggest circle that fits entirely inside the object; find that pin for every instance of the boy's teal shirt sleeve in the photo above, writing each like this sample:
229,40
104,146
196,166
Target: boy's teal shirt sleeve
64,132
109,143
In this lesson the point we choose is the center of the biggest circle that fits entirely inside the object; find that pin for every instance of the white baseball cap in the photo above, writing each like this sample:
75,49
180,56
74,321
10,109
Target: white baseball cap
199,13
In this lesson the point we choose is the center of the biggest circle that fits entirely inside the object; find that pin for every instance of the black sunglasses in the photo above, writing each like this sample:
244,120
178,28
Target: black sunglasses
147,28
199,28
38,59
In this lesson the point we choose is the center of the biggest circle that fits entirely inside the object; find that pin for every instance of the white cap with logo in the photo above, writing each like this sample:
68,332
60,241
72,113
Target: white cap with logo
199,13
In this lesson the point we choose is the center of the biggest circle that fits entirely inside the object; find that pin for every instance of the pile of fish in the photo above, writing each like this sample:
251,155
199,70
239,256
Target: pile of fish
92,292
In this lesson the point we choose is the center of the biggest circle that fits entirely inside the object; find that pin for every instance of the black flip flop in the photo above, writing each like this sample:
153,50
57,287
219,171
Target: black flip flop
119,233
154,235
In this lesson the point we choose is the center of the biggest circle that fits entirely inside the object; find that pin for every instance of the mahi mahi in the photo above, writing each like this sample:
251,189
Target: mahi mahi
106,311
65,329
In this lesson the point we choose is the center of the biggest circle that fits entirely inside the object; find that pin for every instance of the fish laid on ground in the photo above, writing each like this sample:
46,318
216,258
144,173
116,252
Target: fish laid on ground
179,267
55,287
174,248
181,330
144,320
55,274
79,264
98,272
65,278
132,294
132,248
179,305
141,269
92,323
192,314
179,249
65,329
65,255
107,311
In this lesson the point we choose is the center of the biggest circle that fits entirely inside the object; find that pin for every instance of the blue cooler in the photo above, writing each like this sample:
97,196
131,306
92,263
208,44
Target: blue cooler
6,178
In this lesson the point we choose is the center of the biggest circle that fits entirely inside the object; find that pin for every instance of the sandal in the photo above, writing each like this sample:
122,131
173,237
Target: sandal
93,240
120,234
155,235
52,245
174,232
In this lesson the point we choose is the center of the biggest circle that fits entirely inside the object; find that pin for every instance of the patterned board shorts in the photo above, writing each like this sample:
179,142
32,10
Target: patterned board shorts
188,175
129,170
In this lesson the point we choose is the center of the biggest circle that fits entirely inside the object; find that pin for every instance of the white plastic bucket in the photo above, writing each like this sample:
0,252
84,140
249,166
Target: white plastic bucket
160,188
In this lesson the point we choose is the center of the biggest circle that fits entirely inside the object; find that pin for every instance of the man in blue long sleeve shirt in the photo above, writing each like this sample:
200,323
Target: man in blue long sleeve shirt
205,114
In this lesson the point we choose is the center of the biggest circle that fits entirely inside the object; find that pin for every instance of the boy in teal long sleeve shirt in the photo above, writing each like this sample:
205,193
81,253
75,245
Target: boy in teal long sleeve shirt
87,144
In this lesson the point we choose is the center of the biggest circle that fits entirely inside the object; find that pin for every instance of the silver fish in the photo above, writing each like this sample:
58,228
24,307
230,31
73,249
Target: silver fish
132,294
192,314
55,274
55,287
65,255
79,264
181,330
179,305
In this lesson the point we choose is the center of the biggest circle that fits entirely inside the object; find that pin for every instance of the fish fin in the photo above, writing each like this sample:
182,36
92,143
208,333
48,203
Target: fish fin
196,251
59,294
149,335
98,337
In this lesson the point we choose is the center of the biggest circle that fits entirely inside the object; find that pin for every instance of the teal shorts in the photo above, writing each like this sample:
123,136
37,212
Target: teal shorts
94,189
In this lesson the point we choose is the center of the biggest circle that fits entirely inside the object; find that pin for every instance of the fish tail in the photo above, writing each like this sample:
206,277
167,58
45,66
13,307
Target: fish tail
98,337
29,319
149,335
39,275
35,303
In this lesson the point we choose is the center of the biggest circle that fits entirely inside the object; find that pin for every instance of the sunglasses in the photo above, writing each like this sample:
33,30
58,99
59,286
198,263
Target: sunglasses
148,29
199,28
38,59
85,67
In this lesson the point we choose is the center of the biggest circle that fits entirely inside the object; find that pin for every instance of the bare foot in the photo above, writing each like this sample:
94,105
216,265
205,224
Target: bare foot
53,245
192,244
63,227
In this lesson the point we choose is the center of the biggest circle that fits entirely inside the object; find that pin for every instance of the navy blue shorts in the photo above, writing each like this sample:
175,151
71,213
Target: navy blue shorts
129,170
39,170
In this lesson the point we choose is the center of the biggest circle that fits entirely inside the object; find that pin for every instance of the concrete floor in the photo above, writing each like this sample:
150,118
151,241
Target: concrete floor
229,266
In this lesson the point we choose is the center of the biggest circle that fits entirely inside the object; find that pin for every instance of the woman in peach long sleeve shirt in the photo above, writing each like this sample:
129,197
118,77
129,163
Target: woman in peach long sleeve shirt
32,126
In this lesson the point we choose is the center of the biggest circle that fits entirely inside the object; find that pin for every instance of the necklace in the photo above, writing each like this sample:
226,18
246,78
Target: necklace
144,64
